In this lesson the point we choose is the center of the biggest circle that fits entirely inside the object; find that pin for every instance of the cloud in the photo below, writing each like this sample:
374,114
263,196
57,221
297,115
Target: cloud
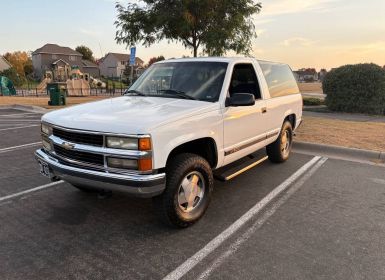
298,41
281,7
88,32
260,32
258,51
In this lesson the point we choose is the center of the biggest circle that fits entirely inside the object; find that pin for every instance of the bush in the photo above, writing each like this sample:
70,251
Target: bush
356,88
311,101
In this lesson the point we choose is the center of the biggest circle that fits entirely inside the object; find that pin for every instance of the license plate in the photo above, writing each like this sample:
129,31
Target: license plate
44,169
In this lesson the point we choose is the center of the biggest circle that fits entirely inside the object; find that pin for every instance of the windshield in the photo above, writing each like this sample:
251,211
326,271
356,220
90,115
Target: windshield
189,80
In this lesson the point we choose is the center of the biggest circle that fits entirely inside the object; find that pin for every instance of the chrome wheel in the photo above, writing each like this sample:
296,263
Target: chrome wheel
191,191
286,143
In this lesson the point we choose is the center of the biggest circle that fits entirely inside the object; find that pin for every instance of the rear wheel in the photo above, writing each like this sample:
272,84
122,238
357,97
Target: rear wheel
279,151
188,190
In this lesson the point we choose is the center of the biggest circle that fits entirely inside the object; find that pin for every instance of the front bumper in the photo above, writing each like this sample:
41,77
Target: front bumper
133,184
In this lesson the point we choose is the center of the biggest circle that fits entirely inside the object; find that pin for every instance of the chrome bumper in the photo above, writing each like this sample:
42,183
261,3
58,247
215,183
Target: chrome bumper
136,185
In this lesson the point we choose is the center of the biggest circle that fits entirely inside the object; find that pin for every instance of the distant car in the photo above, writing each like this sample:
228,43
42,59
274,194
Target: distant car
181,120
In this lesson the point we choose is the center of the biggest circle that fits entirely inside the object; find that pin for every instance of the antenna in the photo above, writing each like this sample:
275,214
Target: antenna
101,52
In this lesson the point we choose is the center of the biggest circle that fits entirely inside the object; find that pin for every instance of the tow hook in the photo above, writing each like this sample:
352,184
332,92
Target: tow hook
55,179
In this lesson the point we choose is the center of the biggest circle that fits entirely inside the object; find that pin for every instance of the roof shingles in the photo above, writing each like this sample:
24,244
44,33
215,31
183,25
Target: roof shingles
56,49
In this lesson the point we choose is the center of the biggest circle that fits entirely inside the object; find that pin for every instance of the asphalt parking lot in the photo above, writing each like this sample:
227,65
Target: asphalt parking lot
310,218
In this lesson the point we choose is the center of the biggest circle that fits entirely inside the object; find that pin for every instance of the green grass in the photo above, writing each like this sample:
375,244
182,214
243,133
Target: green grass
112,83
29,84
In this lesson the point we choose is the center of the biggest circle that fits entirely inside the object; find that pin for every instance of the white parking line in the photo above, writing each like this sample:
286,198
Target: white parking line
272,209
17,127
30,190
190,263
18,114
20,120
378,181
9,149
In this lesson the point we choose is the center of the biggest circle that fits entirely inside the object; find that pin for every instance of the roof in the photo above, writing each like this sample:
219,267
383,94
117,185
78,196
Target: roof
120,56
125,57
56,49
207,59
4,63
57,61
89,64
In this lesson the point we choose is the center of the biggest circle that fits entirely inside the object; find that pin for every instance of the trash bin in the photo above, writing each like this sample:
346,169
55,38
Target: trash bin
57,94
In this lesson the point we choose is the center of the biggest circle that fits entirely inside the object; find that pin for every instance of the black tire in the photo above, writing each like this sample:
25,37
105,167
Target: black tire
167,204
276,151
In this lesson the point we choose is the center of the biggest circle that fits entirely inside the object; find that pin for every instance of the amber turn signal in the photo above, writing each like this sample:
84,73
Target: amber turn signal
144,144
145,164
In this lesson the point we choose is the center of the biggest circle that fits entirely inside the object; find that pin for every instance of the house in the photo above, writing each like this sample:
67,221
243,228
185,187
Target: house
59,61
4,64
90,68
114,64
306,75
322,74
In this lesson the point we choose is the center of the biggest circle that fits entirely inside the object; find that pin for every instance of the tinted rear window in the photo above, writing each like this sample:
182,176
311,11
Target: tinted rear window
279,78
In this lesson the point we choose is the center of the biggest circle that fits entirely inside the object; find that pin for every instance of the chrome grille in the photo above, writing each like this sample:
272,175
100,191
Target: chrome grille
79,138
84,157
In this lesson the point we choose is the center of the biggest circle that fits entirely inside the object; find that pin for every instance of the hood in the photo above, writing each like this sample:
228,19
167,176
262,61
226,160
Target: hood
127,114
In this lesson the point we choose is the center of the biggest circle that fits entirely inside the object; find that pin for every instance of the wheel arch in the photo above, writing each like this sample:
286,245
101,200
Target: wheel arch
292,118
205,147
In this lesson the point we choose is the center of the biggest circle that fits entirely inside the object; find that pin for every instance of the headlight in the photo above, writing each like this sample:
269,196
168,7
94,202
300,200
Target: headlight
141,144
46,144
46,129
122,143
122,163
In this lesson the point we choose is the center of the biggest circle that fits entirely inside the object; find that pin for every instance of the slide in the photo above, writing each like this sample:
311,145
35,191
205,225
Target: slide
43,85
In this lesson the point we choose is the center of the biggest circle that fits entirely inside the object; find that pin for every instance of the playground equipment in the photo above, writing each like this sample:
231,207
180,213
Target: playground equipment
6,87
78,84
78,87
43,85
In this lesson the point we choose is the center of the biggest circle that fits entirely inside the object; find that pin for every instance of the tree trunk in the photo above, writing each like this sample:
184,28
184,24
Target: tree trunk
195,51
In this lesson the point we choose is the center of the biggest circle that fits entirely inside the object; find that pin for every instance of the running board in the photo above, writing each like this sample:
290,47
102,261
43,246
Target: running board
233,172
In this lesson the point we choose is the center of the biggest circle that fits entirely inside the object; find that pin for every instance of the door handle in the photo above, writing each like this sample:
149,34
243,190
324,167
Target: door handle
263,110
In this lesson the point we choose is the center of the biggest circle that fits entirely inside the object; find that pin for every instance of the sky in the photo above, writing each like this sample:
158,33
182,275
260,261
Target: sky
302,33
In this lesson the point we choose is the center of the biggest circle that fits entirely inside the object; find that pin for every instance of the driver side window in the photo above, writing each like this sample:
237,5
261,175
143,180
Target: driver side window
244,80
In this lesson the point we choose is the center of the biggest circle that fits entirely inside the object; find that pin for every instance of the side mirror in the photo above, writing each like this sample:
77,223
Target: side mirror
240,99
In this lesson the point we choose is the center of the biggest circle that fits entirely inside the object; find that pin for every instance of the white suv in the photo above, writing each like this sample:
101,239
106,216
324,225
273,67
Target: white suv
180,120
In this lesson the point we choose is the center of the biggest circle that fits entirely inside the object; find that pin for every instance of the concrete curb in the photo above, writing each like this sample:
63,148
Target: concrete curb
27,108
337,152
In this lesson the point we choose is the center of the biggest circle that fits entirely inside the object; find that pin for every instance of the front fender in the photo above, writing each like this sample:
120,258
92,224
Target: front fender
168,137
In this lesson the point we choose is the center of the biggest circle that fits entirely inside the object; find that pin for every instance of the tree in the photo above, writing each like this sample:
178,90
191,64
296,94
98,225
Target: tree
155,59
18,60
28,69
12,75
86,52
216,26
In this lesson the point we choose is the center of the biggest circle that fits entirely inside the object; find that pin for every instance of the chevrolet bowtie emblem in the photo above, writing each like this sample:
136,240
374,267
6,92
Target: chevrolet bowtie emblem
68,146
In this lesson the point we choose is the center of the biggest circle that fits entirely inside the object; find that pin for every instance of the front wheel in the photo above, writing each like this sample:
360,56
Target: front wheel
189,185
279,151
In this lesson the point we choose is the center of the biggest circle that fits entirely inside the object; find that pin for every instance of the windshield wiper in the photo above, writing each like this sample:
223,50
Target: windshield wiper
136,92
177,93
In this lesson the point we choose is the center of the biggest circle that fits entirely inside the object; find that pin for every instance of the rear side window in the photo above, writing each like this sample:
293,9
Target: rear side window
244,80
279,78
